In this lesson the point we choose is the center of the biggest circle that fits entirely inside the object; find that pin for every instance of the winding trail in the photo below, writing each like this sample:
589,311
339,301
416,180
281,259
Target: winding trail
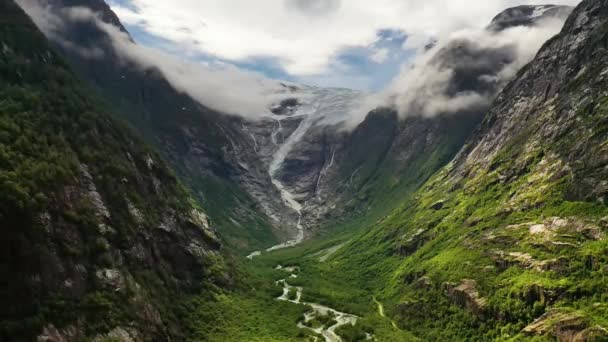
382,314
380,307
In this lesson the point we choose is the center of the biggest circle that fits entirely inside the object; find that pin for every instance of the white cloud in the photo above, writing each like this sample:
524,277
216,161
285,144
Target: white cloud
222,87
305,39
380,56
483,59
304,35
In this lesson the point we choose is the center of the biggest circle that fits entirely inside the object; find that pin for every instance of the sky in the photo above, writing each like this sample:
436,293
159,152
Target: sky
340,43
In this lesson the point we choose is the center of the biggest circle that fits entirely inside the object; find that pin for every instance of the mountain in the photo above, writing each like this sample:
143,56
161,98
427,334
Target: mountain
296,172
340,176
479,222
528,15
100,241
208,150
508,241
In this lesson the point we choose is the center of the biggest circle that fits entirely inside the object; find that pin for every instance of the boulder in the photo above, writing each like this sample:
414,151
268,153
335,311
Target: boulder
424,283
410,244
467,296
120,334
51,334
535,293
565,327
111,279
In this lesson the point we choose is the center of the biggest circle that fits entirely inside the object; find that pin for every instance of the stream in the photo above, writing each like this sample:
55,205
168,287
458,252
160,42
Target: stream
328,332
318,107
322,105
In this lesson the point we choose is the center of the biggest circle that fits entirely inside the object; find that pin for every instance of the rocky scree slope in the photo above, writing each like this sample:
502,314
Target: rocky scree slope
99,239
509,240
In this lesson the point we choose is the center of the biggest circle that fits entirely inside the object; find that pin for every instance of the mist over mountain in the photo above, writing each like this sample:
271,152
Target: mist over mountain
167,174
227,89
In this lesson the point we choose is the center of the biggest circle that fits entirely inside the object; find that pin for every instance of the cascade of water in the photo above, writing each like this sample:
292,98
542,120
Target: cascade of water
319,104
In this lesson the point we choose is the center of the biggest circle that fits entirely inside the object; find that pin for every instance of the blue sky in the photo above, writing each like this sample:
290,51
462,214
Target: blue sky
366,66
355,63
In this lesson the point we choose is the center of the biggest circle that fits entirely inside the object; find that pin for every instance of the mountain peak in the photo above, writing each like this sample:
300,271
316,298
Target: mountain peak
528,15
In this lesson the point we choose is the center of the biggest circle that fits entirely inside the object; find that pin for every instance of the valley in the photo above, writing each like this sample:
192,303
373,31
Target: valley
337,307
480,251
144,198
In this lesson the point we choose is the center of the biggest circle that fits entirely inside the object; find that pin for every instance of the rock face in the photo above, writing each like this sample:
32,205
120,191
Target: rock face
466,295
528,16
538,97
565,327
96,230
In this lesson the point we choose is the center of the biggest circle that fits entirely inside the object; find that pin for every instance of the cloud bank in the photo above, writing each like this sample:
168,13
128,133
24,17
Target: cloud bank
219,86
304,36
463,72
308,38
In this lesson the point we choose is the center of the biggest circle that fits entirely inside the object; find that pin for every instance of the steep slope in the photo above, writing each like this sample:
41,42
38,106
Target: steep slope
509,240
294,174
345,177
528,15
207,149
99,239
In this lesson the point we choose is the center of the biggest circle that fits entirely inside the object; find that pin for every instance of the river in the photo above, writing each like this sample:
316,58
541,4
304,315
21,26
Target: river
328,332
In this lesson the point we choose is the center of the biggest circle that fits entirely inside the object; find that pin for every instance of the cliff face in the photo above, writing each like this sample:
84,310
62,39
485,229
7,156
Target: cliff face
555,107
99,238
509,239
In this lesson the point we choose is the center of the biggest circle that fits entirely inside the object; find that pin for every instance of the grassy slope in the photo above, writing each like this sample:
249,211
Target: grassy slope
525,184
476,220
237,216
381,181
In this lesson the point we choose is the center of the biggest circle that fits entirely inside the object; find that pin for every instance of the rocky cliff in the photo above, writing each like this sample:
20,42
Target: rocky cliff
99,238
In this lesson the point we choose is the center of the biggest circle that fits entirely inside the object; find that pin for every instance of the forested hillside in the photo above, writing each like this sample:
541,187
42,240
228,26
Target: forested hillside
98,236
